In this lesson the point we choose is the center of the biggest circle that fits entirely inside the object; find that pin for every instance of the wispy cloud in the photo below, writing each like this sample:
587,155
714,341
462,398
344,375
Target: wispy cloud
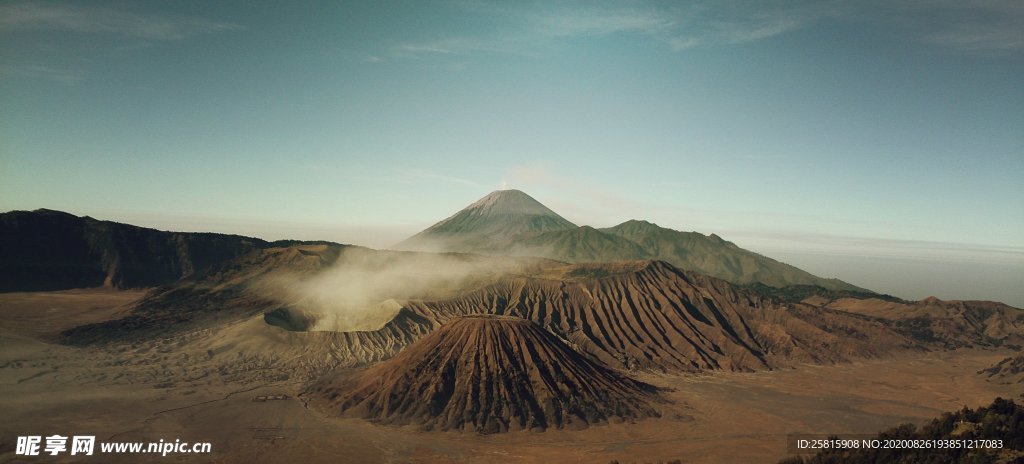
980,39
743,32
441,46
529,32
958,25
600,22
673,28
969,26
683,43
449,46
63,76
738,22
511,44
413,176
35,16
77,30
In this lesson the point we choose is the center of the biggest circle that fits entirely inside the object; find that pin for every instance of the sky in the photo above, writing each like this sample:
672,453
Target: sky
881,142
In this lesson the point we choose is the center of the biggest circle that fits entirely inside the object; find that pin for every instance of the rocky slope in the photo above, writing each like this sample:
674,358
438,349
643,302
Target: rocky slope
490,374
1010,370
951,324
644,315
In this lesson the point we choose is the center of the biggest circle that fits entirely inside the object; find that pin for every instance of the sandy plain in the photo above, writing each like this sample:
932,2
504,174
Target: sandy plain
47,388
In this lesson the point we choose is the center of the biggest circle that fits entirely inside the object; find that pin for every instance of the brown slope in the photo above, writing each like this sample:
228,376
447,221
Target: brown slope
639,315
490,374
948,323
643,315
649,315
1008,371
225,292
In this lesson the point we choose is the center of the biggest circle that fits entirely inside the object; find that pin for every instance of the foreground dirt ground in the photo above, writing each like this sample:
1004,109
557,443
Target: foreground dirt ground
49,389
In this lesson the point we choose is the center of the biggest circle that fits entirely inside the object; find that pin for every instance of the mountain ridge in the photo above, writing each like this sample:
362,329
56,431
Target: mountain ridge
717,257
510,222
47,249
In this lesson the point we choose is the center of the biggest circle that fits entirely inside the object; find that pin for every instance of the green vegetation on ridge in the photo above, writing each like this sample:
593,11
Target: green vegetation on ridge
510,222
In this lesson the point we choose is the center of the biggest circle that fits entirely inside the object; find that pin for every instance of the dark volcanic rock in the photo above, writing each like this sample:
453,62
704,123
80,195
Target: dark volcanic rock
51,250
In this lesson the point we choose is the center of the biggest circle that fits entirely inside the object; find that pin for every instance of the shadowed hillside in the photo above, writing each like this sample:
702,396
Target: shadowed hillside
51,250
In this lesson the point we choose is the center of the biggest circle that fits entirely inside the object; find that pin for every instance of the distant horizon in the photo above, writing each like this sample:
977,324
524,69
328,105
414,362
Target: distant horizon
875,142
853,267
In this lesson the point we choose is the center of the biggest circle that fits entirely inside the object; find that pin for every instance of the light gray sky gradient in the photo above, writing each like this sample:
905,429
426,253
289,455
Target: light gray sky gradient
856,139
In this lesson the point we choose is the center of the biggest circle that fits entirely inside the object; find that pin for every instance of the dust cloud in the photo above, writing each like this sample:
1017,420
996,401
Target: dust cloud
364,289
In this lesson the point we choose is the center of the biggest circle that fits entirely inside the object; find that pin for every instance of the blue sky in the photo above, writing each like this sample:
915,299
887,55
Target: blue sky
878,142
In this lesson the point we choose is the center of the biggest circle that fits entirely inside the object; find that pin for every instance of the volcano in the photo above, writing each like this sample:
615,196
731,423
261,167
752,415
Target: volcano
512,223
490,374
489,224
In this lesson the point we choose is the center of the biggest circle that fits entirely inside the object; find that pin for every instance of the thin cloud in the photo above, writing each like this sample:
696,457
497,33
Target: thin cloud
683,43
737,33
434,47
412,176
121,32
730,22
601,22
457,45
62,76
530,32
966,26
676,29
960,25
96,20
980,37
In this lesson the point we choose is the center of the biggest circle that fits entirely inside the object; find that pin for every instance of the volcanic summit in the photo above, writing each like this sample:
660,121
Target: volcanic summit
492,220
512,223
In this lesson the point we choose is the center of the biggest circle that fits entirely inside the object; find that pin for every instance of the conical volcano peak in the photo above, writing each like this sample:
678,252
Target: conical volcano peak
488,224
509,202
512,223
